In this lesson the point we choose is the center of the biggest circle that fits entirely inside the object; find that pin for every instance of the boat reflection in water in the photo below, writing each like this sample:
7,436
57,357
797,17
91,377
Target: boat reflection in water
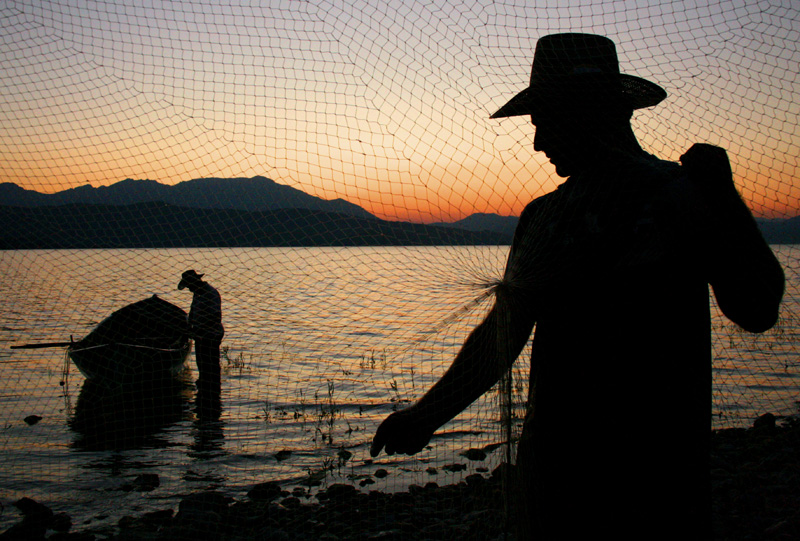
132,416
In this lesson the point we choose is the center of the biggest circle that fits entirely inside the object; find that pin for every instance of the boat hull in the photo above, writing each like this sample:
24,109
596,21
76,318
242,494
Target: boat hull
143,341
126,363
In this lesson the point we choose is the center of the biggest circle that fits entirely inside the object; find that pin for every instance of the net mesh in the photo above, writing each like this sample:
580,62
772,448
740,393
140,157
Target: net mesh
353,214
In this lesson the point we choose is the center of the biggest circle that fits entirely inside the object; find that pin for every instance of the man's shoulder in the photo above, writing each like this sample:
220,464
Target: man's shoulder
209,290
536,214
637,180
640,179
650,168
538,204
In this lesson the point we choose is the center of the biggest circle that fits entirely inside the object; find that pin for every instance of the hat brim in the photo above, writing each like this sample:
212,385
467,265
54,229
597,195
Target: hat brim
638,93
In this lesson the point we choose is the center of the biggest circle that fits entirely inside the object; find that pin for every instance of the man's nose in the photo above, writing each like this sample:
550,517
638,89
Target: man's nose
539,139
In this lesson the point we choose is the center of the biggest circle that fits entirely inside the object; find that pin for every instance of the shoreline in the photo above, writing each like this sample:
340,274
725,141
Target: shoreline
755,476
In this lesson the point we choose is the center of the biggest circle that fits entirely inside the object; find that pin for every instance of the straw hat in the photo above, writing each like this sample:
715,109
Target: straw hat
579,67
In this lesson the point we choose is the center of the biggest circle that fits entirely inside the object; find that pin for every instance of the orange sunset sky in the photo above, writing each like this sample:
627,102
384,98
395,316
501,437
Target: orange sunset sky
385,104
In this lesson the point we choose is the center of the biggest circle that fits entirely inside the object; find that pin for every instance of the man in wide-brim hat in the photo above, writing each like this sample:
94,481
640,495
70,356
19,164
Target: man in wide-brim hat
205,327
613,270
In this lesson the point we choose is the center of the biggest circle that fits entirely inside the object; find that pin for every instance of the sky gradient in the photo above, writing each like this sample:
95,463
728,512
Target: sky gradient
385,104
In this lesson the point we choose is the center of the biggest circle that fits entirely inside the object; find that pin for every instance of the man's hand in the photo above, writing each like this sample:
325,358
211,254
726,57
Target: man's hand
709,169
403,432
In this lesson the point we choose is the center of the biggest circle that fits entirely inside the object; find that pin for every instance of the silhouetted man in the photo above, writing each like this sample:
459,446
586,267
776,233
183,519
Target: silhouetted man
205,327
613,269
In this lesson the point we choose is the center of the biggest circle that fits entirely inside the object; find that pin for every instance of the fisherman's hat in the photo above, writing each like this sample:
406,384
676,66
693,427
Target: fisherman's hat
579,66
189,277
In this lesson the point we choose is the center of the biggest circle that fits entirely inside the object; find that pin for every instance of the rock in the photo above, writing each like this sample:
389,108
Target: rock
158,518
61,522
474,454
79,536
766,421
33,510
26,530
265,492
37,519
209,502
381,473
387,535
127,522
292,502
146,482
476,480
270,533
193,523
338,491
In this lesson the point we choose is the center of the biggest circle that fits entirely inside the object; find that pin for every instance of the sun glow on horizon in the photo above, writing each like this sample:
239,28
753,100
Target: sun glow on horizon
387,112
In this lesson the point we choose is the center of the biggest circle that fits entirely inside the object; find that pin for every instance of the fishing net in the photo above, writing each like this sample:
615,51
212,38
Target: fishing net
331,168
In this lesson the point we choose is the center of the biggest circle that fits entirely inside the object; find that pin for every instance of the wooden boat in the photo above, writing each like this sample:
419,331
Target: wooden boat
141,342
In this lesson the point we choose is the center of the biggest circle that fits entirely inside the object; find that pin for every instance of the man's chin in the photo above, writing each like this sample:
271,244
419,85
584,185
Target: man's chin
562,171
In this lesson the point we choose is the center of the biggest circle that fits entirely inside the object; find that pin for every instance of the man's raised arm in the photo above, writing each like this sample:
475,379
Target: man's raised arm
747,278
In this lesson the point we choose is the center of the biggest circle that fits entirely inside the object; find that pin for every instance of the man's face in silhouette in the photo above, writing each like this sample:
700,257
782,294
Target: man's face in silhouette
576,130
568,136
191,284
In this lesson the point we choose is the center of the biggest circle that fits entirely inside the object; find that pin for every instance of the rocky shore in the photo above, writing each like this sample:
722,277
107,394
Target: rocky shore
755,490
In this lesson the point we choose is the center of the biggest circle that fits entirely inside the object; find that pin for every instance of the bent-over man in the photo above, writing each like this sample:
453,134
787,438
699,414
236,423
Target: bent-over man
205,325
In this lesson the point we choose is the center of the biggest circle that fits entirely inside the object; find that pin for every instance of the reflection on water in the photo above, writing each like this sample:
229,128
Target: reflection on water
129,416
323,344
207,429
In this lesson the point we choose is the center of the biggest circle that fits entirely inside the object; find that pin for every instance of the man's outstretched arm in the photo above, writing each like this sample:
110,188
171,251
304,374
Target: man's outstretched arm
477,367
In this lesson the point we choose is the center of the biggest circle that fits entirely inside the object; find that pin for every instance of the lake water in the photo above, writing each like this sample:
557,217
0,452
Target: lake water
321,344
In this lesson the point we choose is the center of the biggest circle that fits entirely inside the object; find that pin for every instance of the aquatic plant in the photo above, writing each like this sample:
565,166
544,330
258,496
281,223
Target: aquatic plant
237,363
326,415
374,360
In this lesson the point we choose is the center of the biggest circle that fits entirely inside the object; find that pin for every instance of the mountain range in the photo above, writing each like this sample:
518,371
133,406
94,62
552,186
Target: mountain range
253,194
211,212
235,212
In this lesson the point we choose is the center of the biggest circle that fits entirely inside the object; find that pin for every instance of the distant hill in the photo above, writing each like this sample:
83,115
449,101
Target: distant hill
776,231
159,225
781,231
485,222
255,194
